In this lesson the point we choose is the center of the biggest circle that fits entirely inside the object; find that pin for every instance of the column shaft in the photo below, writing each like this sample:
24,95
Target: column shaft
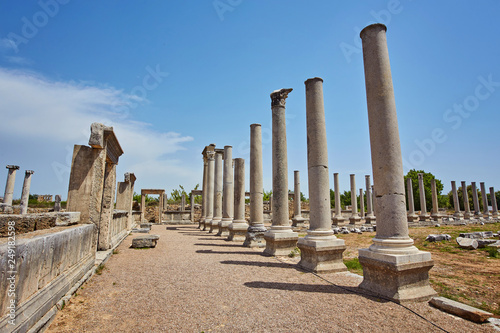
214,225
354,218
26,191
338,206
435,205
9,185
370,217
486,211
465,196
493,199
475,200
228,193
423,204
456,203
238,228
298,220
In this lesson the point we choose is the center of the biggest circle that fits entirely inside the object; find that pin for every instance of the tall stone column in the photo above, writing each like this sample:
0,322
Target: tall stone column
475,200
191,206
354,218
392,266
456,203
25,196
143,207
201,223
320,250
125,195
255,233
338,218
486,211
412,217
435,205
238,227
298,220
423,205
465,195
214,225
9,187
361,204
183,202
210,189
370,217
280,239
271,203
494,207
228,193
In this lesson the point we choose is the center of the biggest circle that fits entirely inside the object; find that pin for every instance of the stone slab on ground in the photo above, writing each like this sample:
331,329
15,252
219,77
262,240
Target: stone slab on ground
460,309
467,243
140,230
145,241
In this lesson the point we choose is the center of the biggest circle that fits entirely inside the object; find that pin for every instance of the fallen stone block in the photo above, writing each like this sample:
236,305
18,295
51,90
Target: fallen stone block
467,243
461,310
345,232
438,238
145,241
496,244
140,230
146,225
485,242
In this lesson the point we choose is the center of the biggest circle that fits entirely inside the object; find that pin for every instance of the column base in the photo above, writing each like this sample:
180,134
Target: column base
298,222
467,215
436,217
412,217
214,226
237,231
254,236
206,224
322,256
424,218
401,278
336,220
370,219
354,220
201,223
223,227
280,243
458,216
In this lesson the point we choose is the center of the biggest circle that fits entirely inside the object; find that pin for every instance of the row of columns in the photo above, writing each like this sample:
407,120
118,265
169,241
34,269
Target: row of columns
6,206
355,217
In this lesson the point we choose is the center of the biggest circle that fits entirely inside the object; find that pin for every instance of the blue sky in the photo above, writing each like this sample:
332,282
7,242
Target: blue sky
174,76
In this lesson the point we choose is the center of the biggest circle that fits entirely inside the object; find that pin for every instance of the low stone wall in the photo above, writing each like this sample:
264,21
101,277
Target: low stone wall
32,222
177,217
118,228
46,265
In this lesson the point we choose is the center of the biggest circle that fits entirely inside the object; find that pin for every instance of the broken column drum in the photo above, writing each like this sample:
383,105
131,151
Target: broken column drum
280,239
320,250
255,233
392,267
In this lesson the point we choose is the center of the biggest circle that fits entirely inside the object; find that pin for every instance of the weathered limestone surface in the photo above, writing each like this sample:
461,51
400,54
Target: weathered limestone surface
320,250
25,195
280,239
145,241
392,266
465,195
297,220
486,212
460,309
125,197
475,200
227,193
57,203
423,205
204,193
9,185
210,153
354,218
411,203
238,228
493,199
255,233
47,266
435,205
457,215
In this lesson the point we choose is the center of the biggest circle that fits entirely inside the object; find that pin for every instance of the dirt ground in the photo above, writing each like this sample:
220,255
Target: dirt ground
468,276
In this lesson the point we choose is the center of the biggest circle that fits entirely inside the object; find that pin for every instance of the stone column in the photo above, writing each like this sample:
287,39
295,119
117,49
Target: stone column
458,215
320,250
143,207
338,218
214,225
210,189
486,211
255,233
435,205
228,193
494,207
165,201
271,203
280,239
161,206
392,266
423,205
191,206
124,197
239,226
9,187
201,223
183,202
354,218
25,196
465,196
412,217
361,205
475,200
298,220
370,217
57,203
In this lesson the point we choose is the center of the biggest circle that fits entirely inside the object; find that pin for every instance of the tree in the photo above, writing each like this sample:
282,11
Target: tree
427,176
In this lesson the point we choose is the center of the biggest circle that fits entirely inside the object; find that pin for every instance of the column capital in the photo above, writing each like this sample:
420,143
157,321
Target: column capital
278,97
29,172
210,155
14,167
376,27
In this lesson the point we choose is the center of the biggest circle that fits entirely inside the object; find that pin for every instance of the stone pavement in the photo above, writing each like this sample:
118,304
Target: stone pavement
197,282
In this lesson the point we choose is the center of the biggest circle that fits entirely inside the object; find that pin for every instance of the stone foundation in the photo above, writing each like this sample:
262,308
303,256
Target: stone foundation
322,256
280,243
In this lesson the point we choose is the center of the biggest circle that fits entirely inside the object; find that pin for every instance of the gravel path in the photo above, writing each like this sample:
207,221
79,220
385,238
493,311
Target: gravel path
194,282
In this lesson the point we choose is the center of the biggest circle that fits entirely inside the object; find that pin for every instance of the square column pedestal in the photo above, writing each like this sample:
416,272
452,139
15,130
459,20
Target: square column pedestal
401,278
322,256
280,243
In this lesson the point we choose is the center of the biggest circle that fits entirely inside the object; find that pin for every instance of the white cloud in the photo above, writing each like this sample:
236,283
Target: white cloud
7,44
40,110
18,60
